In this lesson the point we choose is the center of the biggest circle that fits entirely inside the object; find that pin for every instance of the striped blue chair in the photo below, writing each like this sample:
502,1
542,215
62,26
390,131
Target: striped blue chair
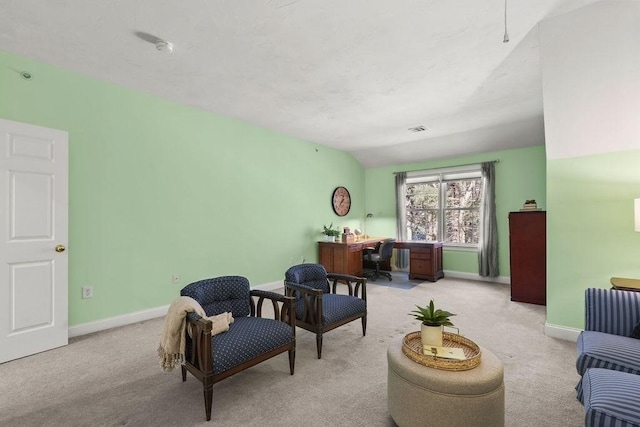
251,339
611,398
606,342
319,307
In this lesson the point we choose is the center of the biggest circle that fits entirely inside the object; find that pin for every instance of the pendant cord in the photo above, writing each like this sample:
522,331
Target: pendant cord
506,34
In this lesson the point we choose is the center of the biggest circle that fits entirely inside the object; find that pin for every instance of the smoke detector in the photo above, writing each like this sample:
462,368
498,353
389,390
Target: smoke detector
164,46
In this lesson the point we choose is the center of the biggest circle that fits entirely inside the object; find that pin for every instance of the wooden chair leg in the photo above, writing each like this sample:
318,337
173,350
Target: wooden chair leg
292,360
184,373
319,344
364,326
208,396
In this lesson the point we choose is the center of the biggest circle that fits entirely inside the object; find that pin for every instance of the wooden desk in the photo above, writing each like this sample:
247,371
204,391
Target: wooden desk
344,258
425,258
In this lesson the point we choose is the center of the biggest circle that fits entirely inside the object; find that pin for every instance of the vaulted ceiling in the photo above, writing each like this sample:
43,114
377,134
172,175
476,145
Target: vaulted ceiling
354,75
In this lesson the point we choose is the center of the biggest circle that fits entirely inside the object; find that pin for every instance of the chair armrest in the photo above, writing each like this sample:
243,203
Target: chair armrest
611,311
281,311
300,288
360,288
312,312
198,351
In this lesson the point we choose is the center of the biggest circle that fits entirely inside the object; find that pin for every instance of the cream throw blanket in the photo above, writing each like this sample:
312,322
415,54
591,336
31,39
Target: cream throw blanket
172,345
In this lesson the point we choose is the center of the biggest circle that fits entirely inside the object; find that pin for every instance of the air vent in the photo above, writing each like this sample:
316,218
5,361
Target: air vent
418,129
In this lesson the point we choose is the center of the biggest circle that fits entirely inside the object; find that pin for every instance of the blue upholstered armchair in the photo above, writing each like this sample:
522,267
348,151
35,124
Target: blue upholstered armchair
319,308
609,358
250,339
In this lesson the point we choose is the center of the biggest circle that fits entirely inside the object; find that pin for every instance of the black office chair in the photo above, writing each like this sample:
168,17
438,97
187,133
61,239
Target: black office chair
383,255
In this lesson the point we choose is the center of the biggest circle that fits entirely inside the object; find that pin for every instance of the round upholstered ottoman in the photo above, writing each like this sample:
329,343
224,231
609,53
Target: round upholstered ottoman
420,396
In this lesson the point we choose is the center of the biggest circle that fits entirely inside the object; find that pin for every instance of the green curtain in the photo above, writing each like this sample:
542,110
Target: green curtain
488,244
402,255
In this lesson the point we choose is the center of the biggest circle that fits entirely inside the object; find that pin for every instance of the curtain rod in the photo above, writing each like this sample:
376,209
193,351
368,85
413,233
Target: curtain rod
452,166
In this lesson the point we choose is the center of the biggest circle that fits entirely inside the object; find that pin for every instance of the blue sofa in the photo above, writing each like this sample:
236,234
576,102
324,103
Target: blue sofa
609,359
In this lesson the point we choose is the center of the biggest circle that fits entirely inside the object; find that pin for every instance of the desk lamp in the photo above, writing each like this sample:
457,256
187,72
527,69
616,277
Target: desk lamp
370,215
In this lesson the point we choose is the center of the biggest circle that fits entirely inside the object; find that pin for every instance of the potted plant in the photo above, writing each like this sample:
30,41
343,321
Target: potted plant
330,232
433,320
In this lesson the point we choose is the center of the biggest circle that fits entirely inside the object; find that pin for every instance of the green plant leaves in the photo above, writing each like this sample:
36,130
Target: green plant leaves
431,316
330,231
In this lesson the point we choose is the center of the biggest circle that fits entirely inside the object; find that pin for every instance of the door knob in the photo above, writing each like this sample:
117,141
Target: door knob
60,248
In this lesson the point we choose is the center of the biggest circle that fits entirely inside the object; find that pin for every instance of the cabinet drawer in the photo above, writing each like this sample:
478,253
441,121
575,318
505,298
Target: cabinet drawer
355,248
420,255
420,266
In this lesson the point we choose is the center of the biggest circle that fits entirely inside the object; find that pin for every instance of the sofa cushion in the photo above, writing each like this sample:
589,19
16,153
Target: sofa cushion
611,311
602,350
247,338
611,398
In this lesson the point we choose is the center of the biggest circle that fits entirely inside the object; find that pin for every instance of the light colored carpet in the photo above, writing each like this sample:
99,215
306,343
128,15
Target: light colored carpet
112,378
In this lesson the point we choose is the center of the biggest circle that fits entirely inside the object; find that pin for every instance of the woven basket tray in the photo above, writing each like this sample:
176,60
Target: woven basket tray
412,348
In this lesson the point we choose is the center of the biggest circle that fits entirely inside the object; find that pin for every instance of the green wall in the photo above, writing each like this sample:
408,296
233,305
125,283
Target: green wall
520,175
590,229
158,188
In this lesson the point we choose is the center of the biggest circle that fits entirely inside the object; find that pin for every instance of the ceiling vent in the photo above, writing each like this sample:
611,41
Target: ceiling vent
418,129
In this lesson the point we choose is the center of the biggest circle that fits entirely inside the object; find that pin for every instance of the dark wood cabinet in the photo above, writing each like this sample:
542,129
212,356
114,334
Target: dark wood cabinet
528,256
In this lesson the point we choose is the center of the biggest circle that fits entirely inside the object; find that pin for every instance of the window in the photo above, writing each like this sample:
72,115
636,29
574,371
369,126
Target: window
444,205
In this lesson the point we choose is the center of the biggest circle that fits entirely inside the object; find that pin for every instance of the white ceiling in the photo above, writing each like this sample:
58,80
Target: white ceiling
349,74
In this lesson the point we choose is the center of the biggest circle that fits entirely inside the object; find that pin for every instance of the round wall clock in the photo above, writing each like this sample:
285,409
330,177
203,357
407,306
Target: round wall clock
341,201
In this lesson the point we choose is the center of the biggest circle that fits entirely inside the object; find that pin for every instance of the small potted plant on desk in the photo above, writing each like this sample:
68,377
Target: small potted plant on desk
433,320
330,232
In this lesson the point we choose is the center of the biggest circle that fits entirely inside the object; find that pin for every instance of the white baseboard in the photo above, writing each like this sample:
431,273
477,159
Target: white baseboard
139,316
561,332
272,286
473,276
114,322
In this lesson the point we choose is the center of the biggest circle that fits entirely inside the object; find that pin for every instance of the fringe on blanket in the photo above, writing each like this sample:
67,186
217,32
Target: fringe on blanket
172,344
169,361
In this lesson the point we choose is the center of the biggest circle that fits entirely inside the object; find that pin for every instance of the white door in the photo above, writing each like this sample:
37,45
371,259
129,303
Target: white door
33,239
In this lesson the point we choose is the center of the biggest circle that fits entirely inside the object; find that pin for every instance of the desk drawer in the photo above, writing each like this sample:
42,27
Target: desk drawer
354,248
420,267
421,255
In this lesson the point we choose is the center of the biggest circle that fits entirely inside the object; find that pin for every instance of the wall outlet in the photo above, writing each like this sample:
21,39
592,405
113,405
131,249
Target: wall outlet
87,292
175,278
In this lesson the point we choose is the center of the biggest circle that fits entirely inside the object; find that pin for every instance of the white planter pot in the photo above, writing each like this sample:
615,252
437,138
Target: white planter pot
331,238
431,335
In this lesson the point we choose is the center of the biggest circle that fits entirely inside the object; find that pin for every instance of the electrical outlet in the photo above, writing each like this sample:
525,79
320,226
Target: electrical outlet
176,278
87,292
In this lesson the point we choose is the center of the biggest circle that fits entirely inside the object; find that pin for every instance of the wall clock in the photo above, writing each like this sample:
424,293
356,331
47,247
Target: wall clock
341,201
